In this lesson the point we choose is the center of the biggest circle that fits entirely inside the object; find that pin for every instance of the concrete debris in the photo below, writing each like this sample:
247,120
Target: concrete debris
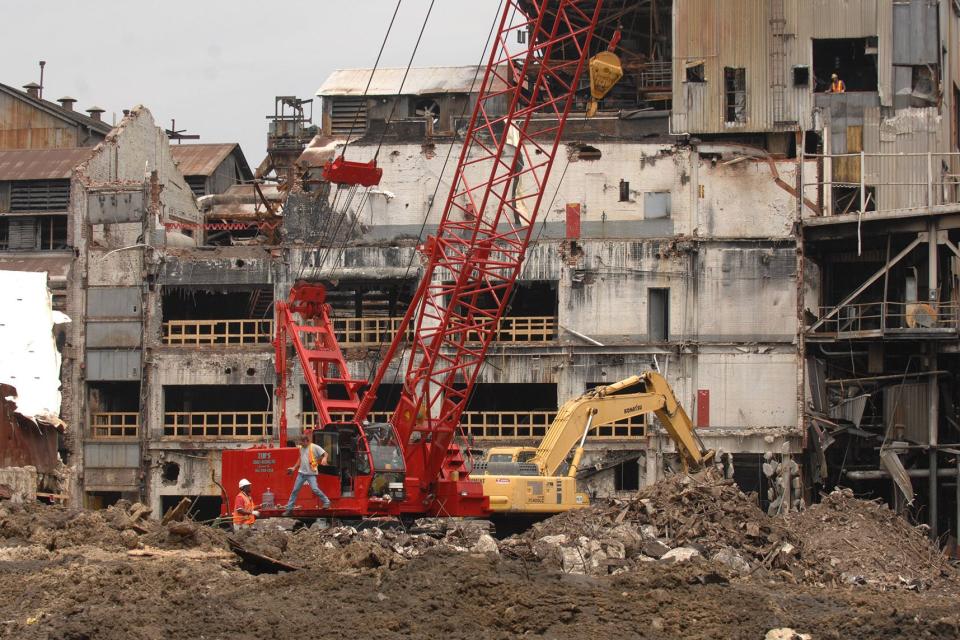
681,554
786,633
706,518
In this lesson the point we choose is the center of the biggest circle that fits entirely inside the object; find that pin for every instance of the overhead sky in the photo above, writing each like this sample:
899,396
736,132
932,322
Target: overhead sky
215,65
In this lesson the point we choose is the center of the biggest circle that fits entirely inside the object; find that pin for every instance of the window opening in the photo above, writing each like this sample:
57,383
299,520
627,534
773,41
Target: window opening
735,83
849,59
658,314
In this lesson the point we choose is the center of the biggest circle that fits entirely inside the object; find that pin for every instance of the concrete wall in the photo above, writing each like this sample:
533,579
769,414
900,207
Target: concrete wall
707,198
111,255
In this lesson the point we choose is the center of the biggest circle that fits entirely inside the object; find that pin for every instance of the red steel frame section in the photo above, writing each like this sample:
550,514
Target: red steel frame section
486,226
318,351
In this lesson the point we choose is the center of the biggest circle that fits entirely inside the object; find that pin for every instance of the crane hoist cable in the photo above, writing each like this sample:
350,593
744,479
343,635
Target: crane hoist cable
363,171
426,216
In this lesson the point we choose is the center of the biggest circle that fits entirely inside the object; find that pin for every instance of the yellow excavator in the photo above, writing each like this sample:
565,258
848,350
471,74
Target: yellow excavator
527,480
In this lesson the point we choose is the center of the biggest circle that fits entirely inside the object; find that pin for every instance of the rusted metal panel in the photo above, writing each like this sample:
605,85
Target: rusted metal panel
23,443
763,37
29,123
40,164
201,159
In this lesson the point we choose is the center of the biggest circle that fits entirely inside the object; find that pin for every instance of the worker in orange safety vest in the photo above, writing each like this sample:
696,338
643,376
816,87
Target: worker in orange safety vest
837,85
244,509
312,456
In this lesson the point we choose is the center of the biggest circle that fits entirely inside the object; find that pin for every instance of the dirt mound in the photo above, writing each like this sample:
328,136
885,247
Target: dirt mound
352,549
678,519
121,526
843,540
55,527
108,595
863,542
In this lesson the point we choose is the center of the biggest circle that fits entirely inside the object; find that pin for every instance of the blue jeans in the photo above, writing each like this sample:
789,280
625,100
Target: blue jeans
310,480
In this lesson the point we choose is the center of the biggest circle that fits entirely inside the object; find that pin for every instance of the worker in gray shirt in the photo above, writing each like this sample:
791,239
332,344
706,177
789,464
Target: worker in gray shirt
311,457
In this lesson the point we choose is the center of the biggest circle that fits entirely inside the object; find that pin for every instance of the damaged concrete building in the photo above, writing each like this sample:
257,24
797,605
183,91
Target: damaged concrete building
784,254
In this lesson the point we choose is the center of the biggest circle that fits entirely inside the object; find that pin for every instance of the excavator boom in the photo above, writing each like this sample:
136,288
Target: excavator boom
541,485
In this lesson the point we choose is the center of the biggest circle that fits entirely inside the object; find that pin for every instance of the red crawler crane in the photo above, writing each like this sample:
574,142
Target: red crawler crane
412,464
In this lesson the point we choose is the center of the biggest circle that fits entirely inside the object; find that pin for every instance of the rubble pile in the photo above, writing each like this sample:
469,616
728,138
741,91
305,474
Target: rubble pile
355,549
679,519
121,526
855,541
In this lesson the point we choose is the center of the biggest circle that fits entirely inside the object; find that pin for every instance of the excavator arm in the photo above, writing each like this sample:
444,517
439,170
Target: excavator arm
608,404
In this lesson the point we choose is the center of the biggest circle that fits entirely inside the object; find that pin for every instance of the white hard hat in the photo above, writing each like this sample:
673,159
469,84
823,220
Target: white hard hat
245,483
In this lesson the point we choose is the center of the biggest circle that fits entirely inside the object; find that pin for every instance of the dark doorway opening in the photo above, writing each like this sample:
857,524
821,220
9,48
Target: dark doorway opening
850,58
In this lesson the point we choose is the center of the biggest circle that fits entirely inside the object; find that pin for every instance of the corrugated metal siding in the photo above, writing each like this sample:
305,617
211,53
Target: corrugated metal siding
107,365
103,455
840,18
910,131
737,33
915,34
113,302
907,405
885,52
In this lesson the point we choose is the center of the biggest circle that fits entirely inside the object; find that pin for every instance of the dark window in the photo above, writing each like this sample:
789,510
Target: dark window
198,184
39,195
801,76
624,191
658,314
735,85
696,72
956,116
33,233
626,476
849,59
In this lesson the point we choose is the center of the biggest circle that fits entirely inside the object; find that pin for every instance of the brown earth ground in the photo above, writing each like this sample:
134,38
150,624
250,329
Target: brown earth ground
82,575
90,593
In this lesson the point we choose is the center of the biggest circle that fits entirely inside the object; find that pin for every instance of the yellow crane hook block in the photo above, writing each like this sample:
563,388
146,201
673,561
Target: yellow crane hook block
605,71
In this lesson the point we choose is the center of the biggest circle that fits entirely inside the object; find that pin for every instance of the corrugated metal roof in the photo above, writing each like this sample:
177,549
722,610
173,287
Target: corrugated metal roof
200,159
386,82
41,164
57,110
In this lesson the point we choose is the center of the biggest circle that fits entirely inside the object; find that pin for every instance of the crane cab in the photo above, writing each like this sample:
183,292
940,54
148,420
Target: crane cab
366,459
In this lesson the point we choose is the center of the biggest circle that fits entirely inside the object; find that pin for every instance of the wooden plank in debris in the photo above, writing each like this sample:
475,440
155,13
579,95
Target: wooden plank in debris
177,512
262,562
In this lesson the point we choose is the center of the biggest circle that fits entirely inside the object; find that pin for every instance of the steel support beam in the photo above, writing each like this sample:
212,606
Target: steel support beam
869,281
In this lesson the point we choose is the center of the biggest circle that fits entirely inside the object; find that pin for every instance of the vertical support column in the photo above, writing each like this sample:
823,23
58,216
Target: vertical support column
933,397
